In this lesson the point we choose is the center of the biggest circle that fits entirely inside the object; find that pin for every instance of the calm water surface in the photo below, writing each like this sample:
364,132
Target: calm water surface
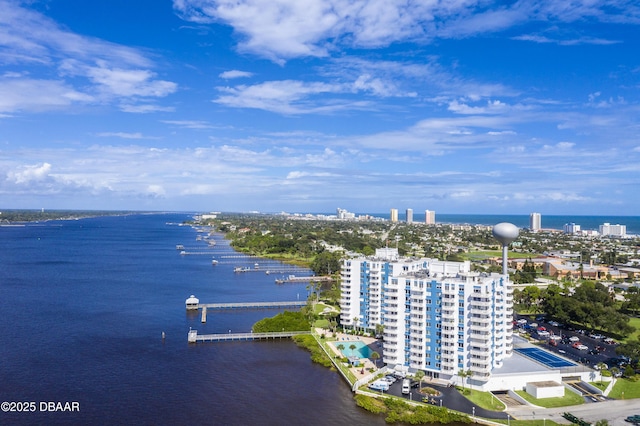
83,306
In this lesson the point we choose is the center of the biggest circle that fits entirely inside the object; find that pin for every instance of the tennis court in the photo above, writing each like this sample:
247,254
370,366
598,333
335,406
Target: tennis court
544,357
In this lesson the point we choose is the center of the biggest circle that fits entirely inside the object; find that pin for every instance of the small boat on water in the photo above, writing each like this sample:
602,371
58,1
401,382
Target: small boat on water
214,262
179,247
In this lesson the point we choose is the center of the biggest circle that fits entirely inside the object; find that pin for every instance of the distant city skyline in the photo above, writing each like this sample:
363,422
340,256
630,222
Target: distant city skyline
197,105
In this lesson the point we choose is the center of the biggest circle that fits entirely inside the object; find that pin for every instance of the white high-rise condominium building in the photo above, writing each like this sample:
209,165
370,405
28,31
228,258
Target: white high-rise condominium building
409,215
571,228
393,216
535,221
438,316
613,230
430,217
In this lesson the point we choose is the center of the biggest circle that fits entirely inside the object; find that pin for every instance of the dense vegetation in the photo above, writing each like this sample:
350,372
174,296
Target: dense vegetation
398,411
589,305
318,356
10,216
285,321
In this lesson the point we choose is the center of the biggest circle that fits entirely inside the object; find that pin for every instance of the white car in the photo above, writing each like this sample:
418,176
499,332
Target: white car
574,338
379,385
582,347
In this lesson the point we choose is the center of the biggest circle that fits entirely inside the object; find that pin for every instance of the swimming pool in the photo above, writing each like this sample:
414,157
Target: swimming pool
544,357
361,350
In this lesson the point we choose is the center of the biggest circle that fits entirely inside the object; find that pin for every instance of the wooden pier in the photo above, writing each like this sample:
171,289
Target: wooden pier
247,305
312,279
194,337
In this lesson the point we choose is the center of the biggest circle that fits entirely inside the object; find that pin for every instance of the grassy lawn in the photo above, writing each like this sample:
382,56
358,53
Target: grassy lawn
600,385
634,322
625,388
321,323
484,399
540,422
569,398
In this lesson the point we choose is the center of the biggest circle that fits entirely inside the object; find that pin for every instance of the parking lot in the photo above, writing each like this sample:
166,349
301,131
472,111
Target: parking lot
576,345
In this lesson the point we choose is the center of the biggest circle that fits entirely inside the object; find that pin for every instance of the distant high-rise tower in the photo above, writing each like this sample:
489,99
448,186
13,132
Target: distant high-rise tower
409,215
430,217
535,222
394,215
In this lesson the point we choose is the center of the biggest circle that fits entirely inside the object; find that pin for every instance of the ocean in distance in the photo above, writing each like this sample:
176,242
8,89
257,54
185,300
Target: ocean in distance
84,304
556,222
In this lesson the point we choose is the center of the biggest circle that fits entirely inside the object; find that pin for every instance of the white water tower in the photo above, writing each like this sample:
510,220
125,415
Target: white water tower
506,233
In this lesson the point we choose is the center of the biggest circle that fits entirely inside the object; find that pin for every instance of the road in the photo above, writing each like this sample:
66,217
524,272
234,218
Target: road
614,411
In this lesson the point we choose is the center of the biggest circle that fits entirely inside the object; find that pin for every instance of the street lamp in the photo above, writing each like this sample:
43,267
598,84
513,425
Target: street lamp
508,420
473,410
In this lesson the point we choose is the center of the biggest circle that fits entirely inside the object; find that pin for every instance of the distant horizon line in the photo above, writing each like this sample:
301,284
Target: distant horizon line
416,212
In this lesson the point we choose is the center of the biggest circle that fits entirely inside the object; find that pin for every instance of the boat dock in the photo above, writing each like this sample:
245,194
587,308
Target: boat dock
193,304
253,305
294,279
194,337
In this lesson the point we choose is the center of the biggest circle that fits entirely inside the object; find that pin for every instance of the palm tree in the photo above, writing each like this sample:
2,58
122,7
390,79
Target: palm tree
340,347
375,356
419,376
353,348
463,375
602,367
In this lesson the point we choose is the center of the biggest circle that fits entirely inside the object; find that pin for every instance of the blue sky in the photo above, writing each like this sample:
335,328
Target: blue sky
456,106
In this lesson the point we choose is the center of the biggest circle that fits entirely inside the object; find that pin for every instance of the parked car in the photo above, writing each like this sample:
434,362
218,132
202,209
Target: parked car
389,379
554,323
380,385
406,386
574,339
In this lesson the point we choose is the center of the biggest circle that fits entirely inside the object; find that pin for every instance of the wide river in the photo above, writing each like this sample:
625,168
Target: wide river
84,304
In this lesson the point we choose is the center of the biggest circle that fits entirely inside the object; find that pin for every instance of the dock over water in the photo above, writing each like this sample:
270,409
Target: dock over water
254,305
193,304
310,279
194,337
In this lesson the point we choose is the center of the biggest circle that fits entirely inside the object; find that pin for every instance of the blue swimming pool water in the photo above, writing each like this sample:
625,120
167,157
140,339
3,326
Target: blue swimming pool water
544,357
361,350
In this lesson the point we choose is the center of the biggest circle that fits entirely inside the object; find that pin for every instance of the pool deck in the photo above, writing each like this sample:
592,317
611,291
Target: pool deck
344,338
